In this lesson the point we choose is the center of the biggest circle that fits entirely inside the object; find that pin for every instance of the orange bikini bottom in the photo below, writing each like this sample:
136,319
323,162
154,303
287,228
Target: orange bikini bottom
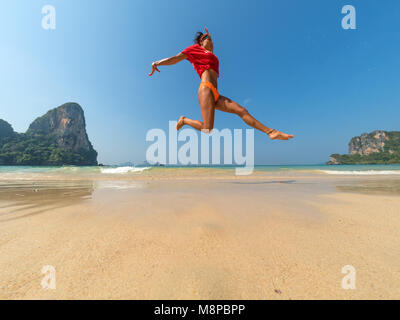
213,89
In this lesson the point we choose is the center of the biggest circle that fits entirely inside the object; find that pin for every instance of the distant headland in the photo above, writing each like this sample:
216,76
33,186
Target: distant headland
377,147
57,138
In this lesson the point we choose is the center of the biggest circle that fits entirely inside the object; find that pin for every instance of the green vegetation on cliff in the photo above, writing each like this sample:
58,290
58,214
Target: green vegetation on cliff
375,158
5,130
40,150
378,147
57,138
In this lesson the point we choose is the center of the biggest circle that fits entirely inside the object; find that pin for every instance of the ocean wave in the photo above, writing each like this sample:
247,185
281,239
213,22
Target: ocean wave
362,172
123,170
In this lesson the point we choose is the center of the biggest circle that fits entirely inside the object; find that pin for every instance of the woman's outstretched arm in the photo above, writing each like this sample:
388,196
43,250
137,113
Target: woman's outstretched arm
167,62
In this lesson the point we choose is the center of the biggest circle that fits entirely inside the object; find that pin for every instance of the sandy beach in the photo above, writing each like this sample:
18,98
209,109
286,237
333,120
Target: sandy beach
196,236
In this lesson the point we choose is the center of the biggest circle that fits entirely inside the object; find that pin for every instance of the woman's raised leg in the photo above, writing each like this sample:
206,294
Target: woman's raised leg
227,105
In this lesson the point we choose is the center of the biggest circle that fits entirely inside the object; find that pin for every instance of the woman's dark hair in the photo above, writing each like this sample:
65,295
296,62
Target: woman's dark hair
198,37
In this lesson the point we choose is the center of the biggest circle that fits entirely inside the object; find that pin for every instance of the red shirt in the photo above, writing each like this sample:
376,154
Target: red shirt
201,59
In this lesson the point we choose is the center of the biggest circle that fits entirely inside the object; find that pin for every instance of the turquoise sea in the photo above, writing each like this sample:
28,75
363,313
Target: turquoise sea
305,179
18,172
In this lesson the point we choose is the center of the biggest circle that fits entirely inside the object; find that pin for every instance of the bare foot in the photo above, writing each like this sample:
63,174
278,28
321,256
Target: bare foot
180,123
277,135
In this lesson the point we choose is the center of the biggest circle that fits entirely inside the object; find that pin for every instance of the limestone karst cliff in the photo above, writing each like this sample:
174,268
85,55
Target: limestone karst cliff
377,147
57,138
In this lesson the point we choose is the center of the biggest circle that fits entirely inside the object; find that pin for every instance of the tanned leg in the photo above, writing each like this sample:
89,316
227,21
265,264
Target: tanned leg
207,105
227,105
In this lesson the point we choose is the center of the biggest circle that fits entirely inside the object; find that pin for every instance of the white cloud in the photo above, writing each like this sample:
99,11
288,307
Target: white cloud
247,101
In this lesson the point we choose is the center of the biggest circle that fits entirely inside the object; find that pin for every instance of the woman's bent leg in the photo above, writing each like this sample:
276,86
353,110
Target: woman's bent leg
207,105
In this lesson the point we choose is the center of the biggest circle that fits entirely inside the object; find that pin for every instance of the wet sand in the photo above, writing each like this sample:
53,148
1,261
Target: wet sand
199,238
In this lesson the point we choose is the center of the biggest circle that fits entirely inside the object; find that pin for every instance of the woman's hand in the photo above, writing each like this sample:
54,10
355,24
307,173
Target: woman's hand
153,68
167,62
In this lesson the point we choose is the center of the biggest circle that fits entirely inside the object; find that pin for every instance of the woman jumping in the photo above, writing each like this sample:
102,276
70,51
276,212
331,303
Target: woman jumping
206,65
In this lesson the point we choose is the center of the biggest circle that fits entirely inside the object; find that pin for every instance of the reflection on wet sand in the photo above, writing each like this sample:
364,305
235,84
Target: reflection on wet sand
265,182
371,186
25,198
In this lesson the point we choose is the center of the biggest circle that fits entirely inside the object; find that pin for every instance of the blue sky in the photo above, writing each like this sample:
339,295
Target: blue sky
289,63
